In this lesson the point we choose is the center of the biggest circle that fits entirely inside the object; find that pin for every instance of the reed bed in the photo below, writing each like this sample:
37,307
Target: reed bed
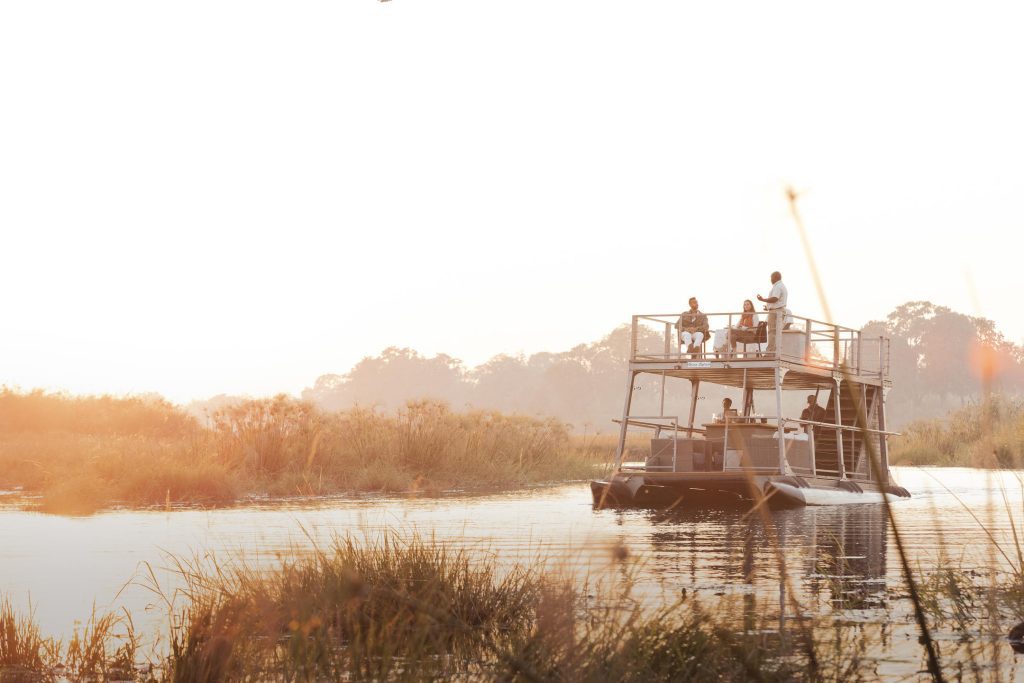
987,434
103,648
404,608
399,607
80,454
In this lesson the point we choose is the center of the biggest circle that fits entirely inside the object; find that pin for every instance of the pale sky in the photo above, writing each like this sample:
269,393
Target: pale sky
236,197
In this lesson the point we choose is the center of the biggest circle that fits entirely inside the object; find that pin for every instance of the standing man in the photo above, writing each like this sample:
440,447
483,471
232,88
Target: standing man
813,411
693,327
776,304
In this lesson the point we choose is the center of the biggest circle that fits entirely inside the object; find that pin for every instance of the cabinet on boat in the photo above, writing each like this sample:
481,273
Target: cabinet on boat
690,455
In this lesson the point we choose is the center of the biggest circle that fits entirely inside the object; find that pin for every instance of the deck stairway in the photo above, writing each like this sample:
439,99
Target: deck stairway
825,448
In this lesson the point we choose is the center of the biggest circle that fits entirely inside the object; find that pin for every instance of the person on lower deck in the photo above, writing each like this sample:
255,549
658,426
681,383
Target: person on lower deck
776,304
693,328
813,411
727,409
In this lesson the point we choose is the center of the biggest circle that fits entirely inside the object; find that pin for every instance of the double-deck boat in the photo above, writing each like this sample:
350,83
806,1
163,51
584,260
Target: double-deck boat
835,453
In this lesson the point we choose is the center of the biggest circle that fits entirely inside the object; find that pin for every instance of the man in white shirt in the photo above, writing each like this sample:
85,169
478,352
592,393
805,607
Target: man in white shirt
776,303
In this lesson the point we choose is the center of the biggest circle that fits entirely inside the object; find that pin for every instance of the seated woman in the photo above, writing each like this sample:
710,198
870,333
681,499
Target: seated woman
745,332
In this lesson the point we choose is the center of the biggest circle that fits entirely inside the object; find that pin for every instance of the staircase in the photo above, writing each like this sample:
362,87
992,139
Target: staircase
825,447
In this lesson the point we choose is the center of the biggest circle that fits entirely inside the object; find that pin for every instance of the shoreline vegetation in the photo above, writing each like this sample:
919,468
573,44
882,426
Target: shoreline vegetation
83,454
986,434
400,607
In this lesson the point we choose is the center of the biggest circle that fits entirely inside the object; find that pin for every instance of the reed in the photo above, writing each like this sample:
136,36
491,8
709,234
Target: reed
154,454
104,648
988,433
22,649
403,608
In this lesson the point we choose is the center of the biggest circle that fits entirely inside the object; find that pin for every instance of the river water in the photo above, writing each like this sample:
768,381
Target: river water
62,566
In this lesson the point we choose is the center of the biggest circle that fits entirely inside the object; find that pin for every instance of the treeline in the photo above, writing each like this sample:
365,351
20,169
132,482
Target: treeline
940,360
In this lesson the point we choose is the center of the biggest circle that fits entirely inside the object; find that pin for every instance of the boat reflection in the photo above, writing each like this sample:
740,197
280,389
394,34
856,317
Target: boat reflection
834,554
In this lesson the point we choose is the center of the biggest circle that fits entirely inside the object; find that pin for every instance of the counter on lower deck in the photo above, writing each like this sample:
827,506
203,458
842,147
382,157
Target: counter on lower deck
750,445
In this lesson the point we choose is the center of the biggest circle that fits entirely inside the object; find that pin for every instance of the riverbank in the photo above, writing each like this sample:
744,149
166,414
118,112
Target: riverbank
82,454
987,434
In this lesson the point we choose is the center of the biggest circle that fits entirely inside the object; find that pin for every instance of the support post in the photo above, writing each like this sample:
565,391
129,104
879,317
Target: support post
814,457
778,416
668,350
661,412
780,322
807,342
883,438
728,340
860,352
625,417
675,445
694,388
835,347
748,396
839,430
725,444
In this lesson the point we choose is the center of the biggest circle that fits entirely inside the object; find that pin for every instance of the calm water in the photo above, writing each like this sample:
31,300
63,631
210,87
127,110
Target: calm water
62,566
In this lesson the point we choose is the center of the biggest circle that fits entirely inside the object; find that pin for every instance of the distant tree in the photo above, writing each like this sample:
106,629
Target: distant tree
939,354
392,378
504,383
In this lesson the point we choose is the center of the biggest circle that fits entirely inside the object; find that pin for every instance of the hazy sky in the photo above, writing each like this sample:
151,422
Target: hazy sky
207,197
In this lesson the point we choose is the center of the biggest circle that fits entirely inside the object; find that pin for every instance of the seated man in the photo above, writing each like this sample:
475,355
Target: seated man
727,409
692,327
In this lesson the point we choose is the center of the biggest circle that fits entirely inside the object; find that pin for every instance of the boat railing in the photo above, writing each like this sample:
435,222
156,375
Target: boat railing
806,341
798,444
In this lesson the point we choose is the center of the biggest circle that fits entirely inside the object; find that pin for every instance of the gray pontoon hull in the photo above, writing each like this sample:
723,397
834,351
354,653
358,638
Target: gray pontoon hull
729,489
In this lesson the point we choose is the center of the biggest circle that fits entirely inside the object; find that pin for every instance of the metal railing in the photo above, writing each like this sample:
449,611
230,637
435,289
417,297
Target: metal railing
800,340
746,463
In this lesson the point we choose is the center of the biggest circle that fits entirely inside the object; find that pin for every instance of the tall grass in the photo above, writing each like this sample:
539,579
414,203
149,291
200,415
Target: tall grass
409,609
988,433
403,608
104,648
83,453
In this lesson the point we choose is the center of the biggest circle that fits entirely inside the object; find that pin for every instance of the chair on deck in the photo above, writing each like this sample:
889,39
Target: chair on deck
757,336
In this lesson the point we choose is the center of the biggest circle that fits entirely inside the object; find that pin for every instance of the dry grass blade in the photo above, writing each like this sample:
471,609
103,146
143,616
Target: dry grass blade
880,477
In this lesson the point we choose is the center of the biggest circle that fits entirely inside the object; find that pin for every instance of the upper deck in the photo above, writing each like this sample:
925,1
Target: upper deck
811,352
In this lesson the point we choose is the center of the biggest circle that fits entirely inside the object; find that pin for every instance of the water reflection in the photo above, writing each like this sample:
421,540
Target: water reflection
835,554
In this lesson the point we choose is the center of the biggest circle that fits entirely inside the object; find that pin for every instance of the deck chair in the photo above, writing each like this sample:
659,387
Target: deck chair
759,337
